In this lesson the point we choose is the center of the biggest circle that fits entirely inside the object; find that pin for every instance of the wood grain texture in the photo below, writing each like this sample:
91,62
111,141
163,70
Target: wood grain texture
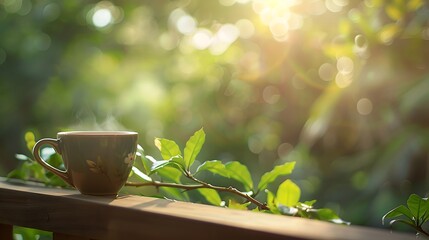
134,217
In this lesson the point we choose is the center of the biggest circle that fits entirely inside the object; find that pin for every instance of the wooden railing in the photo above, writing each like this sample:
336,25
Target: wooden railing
70,215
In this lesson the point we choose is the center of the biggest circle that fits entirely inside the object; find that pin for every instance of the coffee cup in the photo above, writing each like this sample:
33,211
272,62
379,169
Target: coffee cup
96,162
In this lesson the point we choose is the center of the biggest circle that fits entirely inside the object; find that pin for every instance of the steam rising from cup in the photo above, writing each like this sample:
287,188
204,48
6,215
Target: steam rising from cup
87,121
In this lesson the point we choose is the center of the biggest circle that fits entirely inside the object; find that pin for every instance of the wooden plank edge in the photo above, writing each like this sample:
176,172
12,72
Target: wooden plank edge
210,217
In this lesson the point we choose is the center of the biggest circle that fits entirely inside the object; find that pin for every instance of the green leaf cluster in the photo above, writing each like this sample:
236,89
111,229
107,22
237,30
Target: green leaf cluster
415,214
30,233
29,169
233,170
177,164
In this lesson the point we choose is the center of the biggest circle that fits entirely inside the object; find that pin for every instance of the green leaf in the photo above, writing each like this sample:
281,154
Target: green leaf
54,180
425,216
418,207
174,193
272,202
144,160
56,160
329,215
168,148
235,205
214,166
288,193
170,173
29,233
29,137
211,195
166,169
405,221
193,147
240,173
141,174
140,149
310,203
16,173
38,172
22,157
147,162
278,171
234,170
164,163
398,211
179,160
158,165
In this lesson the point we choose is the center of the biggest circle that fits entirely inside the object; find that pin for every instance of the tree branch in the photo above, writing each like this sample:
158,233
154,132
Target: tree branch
422,231
229,189
201,184
164,184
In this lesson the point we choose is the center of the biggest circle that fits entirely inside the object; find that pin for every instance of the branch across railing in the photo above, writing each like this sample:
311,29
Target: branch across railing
70,215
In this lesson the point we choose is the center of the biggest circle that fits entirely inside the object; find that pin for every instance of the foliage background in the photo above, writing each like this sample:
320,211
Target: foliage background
338,86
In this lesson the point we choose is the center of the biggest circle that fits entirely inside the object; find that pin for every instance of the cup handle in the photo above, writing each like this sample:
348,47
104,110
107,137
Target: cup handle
36,152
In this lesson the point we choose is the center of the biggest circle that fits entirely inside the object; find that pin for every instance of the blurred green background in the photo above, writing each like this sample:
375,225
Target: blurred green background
339,86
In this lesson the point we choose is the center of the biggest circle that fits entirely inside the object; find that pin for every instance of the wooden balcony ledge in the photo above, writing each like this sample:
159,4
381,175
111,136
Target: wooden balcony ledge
70,215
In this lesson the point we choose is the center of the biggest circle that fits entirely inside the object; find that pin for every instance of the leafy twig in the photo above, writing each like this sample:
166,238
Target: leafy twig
201,184
414,214
261,206
158,184
285,202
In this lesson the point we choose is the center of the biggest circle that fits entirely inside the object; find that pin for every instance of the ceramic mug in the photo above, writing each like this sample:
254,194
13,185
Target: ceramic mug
96,162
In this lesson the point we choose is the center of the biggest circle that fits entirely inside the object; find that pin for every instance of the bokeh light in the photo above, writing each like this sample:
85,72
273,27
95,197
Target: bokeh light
277,15
103,14
271,94
345,65
343,80
186,24
202,39
183,22
327,72
51,11
227,33
168,41
102,17
364,106
12,6
246,28
335,5
284,149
